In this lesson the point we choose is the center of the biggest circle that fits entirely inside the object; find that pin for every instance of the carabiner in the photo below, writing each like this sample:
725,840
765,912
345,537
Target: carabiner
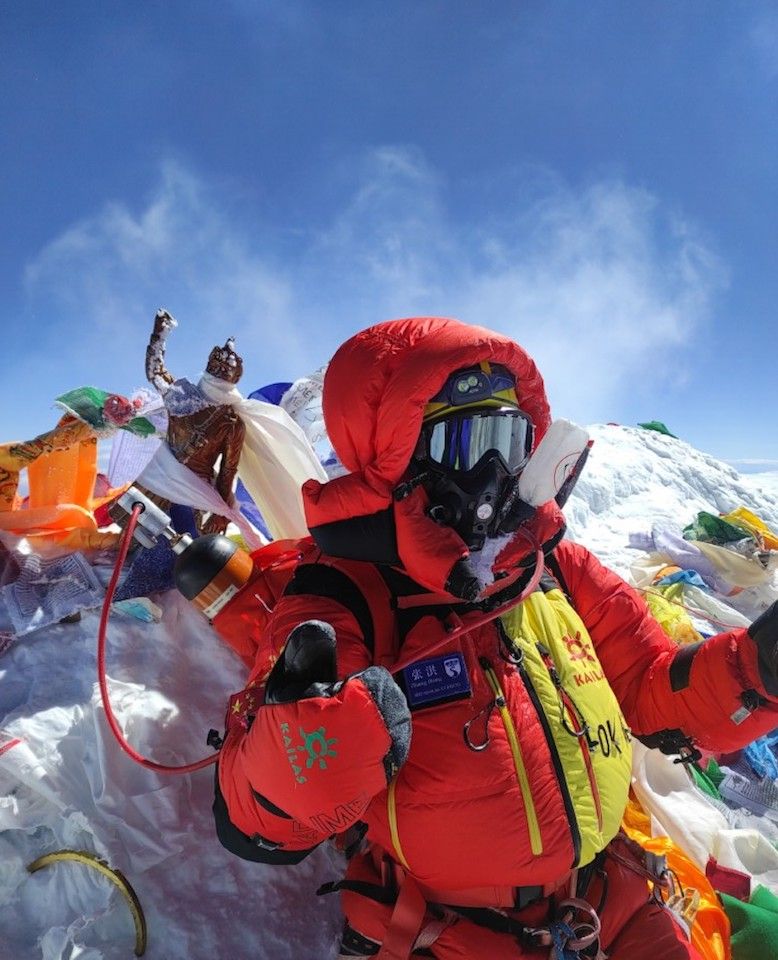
478,747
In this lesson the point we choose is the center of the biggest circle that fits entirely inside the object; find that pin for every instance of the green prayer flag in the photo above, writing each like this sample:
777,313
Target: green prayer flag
754,925
714,529
704,781
658,426
87,403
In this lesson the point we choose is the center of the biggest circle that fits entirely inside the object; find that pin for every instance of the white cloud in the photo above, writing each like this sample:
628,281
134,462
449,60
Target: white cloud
599,291
107,275
598,284
763,35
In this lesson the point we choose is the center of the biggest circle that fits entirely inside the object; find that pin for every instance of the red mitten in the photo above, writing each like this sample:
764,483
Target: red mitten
322,747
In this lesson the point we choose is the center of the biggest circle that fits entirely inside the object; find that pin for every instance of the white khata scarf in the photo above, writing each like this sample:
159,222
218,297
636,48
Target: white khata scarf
276,459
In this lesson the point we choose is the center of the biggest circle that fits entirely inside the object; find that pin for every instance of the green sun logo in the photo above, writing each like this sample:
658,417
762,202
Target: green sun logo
317,746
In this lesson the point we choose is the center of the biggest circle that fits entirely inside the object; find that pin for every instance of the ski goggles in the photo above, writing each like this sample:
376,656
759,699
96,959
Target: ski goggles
459,441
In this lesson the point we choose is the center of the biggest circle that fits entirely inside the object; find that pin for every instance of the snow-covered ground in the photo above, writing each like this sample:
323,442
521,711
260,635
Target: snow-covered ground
636,478
67,784
763,483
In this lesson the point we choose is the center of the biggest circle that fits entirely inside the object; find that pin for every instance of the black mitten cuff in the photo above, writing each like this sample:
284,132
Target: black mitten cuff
764,632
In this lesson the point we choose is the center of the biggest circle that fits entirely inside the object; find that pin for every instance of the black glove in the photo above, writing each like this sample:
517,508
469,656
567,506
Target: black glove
307,667
764,632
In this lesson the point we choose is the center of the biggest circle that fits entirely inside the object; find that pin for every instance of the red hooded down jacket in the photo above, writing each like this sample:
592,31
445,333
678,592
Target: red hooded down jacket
312,758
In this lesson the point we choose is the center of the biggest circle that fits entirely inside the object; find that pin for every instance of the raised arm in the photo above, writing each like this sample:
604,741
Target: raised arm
723,692
156,372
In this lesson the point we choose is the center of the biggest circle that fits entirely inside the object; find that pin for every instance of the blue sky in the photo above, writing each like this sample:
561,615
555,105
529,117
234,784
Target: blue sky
595,179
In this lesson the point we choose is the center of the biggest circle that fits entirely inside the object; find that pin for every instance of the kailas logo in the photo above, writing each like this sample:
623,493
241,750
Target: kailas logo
342,817
315,745
577,649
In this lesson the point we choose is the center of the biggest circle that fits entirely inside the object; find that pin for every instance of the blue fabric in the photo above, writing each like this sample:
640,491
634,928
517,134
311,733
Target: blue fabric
151,571
762,755
272,393
134,608
687,576
250,510
561,933
182,519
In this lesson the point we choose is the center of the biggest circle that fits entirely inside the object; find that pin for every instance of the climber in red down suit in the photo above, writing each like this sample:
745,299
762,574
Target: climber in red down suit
449,679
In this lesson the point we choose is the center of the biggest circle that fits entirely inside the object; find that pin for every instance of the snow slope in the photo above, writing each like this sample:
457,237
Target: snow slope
765,483
636,478
68,785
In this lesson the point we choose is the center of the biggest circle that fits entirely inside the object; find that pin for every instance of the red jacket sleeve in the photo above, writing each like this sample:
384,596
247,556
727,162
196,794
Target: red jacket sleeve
660,685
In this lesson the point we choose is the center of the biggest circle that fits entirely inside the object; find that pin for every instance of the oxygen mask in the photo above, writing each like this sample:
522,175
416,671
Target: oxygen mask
470,461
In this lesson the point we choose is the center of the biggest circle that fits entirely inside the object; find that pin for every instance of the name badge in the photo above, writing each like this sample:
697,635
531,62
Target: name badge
436,680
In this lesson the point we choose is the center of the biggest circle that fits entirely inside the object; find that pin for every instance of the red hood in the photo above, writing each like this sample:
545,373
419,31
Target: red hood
375,391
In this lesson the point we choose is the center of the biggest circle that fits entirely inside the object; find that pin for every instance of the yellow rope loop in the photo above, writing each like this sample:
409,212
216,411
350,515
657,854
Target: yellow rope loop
115,876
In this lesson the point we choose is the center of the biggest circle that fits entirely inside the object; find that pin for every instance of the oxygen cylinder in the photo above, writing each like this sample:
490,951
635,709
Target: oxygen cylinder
210,570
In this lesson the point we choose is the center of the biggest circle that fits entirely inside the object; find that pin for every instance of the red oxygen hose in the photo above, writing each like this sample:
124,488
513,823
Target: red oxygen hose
124,547
458,627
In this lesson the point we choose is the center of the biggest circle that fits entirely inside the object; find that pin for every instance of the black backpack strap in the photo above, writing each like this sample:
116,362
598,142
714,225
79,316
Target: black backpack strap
552,564
324,580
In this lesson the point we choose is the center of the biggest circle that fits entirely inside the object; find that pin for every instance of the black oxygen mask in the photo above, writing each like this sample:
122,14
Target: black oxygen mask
472,504
469,464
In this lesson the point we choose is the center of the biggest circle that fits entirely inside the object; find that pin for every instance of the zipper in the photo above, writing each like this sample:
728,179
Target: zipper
391,808
517,658
579,729
535,839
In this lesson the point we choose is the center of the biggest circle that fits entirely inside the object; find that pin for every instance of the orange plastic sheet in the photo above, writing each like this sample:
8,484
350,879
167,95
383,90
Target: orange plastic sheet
60,508
710,928
64,476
